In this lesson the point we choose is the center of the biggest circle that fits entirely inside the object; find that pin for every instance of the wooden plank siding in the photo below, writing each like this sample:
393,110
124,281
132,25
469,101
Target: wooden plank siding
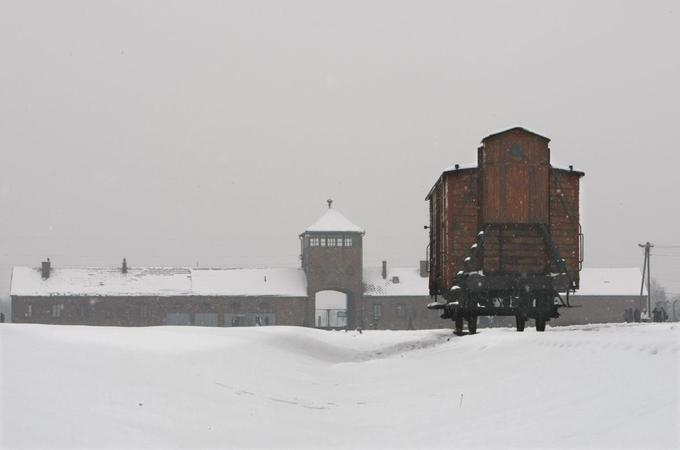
514,171
463,218
517,248
565,217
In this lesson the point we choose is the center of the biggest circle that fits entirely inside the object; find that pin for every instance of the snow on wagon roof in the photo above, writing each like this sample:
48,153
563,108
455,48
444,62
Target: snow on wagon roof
159,281
333,220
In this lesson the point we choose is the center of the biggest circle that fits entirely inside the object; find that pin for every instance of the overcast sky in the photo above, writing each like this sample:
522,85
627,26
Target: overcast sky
173,133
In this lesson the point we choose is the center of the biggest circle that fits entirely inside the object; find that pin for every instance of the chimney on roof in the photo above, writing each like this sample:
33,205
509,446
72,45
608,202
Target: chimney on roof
124,268
424,269
384,270
45,269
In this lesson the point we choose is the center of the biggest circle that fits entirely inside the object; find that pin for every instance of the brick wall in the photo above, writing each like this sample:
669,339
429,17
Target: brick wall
401,313
335,269
597,309
148,311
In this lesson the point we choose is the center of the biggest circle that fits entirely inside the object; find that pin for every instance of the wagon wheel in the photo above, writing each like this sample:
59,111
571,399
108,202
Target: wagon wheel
520,321
458,326
472,324
540,321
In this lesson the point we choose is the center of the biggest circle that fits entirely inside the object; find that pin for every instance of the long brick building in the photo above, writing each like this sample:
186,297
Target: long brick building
332,262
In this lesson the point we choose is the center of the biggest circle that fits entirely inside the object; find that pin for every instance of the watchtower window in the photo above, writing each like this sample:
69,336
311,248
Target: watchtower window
338,242
314,242
331,242
322,242
348,241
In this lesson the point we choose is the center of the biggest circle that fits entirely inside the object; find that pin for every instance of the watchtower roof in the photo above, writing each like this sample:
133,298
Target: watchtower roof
333,220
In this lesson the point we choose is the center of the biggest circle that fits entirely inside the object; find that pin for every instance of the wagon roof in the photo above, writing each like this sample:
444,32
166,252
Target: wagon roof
473,166
493,135
460,168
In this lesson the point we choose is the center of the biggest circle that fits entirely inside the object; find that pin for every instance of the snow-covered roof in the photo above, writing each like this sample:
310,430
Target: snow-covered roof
283,282
594,282
279,282
159,281
333,220
409,283
610,281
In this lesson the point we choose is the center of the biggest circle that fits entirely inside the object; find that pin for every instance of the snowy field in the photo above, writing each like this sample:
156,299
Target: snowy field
600,386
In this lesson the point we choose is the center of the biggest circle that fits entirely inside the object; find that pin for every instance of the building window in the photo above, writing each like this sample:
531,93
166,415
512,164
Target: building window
348,242
143,311
264,320
401,311
205,319
84,311
338,242
331,242
56,310
178,319
322,242
28,312
377,311
314,242
235,320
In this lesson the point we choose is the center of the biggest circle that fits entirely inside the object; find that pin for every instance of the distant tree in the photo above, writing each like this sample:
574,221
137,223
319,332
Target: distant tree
6,307
658,292
674,314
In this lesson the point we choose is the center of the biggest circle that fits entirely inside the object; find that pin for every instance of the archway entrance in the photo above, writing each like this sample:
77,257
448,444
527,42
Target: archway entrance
331,309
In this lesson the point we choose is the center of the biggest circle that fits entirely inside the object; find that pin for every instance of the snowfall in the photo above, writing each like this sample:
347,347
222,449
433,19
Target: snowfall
597,386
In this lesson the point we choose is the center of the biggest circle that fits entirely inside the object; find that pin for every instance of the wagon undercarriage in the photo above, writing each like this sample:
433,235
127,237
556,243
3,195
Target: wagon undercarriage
464,306
522,295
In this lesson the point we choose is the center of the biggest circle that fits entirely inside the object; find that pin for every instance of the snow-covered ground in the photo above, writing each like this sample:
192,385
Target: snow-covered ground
589,386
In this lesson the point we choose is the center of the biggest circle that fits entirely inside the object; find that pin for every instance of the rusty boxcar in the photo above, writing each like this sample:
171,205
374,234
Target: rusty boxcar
505,237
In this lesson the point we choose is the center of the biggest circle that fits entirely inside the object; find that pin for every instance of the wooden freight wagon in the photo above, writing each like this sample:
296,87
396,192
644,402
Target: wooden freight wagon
505,237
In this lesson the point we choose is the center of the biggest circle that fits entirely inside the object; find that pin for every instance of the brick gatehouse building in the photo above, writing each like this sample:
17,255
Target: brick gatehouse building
331,289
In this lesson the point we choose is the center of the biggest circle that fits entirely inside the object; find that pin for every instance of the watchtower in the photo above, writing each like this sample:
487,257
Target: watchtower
332,258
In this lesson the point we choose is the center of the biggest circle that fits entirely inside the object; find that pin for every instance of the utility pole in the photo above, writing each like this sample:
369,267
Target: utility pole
646,270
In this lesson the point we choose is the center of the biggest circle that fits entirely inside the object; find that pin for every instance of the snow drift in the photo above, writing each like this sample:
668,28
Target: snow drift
169,387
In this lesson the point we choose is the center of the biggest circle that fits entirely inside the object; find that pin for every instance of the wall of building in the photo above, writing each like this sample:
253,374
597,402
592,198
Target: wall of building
400,313
597,309
394,312
586,310
149,311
